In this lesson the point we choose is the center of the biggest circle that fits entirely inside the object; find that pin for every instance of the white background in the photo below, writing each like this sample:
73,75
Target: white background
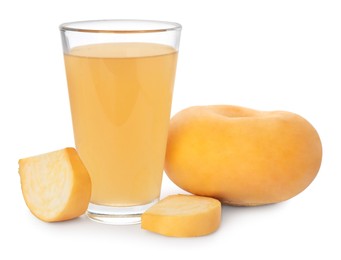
268,55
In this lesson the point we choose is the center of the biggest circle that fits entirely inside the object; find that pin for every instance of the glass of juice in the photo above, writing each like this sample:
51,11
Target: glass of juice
120,76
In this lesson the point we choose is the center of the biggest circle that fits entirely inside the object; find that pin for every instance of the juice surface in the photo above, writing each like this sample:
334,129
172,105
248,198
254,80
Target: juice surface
120,96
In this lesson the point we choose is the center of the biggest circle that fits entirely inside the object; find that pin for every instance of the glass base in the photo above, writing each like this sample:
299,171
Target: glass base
117,215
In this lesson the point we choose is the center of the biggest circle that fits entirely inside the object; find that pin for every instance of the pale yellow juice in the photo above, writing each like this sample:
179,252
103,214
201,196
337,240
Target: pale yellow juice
120,95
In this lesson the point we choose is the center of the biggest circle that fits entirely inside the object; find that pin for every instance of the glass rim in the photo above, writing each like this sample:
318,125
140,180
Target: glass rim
150,26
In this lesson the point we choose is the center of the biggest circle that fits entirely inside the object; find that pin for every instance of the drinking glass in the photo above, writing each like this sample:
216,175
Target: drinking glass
120,76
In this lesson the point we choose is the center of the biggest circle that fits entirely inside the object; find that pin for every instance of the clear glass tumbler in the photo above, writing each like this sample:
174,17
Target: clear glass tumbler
120,76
